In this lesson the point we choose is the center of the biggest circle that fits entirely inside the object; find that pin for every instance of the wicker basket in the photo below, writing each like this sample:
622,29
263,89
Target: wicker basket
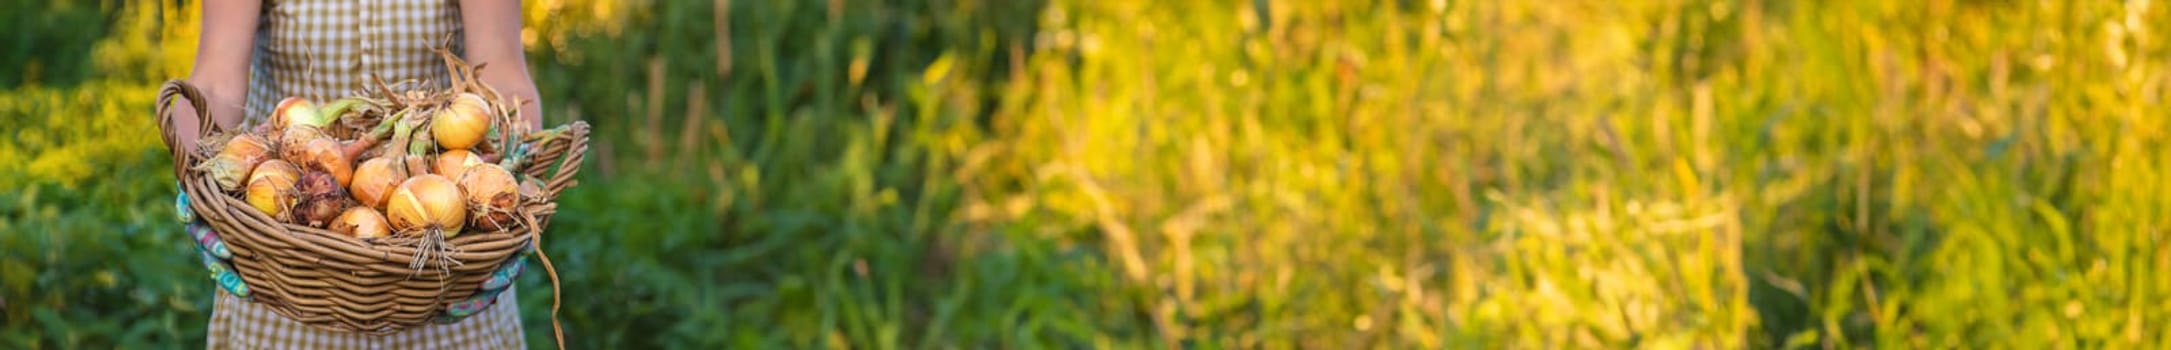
334,282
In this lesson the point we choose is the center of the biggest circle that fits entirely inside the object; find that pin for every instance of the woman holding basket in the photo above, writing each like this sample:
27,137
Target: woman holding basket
253,53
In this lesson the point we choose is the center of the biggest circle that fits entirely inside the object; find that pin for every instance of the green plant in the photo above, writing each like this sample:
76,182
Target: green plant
1246,174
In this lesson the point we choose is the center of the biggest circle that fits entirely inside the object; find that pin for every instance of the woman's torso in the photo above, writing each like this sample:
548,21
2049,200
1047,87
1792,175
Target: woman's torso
327,49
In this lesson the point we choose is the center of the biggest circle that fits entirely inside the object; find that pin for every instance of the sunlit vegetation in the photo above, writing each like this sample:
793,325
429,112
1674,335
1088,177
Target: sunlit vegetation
1234,174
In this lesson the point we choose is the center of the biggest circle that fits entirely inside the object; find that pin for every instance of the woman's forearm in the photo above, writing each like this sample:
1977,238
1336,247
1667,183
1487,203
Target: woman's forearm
508,74
493,38
221,71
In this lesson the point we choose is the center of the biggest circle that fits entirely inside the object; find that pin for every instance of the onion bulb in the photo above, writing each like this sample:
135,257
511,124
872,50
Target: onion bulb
283,115
491,196
235,160
328,156
454,163
361,222
463,123
271,187
375,179
294,109
427,202
248,146
297,111
321,199
292,143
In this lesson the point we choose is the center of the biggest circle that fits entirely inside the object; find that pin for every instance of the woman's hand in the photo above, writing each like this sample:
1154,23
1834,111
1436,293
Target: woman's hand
493,37
187,119
221,71
222,66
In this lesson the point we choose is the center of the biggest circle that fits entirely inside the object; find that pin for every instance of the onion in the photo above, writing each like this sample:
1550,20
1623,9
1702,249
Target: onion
292,143
247,146
491,196
279,115
361,222
325,155
297,123
425,203
232,165
454,163
275,167
297,111
375,179
463,123
271,187
321,199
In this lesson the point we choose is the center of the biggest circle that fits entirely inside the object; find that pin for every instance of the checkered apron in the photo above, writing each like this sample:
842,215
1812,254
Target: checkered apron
239,324
323,50
326,49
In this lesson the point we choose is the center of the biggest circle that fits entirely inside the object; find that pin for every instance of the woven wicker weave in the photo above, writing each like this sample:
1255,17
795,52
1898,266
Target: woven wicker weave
335,282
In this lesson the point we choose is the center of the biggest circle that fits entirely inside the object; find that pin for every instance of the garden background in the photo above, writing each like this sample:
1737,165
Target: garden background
1230,174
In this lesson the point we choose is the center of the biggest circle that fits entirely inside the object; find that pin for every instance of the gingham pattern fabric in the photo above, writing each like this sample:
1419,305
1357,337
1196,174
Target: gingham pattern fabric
327,49
323,50
238,324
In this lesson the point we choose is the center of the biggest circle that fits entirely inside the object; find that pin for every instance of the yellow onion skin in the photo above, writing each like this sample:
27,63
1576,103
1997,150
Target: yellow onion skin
249,147
491,197
271,188
228,171
361,222
375,179
231,167
454,163
286,111
328,156
463,123
276,167
427,202
293,108
294,141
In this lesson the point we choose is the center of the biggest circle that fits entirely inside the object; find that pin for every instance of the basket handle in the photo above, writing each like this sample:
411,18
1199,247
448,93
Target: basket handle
564,155
182,154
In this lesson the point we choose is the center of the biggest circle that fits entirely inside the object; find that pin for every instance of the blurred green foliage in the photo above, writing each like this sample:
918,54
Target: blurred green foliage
49,41
1210,174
